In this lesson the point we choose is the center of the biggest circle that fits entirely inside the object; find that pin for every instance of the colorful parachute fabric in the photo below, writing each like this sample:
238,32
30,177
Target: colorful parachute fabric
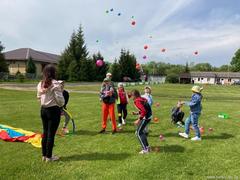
11,134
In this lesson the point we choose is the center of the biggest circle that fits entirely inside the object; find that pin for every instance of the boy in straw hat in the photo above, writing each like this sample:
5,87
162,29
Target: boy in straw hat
195,111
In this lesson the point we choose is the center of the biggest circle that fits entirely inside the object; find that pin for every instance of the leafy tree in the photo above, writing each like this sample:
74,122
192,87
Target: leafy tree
31,67
115,70
236,61
202,67
127,63
224,68
3,64
172,78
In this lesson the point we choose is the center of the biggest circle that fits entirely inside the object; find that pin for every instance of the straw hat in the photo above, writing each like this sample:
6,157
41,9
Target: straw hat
120,84
197,89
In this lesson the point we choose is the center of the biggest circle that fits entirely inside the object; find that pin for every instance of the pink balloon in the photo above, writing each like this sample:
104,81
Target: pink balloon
99,63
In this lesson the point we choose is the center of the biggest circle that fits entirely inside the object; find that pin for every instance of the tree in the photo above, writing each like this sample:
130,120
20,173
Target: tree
187,70
127,63
236,61
74,63
172,78
31,67
202,67
99,72
224,68
3,64
115,70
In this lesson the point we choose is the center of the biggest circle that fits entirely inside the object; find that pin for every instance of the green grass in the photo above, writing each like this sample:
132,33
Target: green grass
88,155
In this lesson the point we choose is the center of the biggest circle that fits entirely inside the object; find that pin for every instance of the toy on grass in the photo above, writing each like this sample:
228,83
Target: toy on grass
161,137
157,104
99,63
223,115
210,129
156,120
202,130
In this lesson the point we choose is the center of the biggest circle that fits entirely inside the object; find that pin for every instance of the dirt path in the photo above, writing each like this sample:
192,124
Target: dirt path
32,87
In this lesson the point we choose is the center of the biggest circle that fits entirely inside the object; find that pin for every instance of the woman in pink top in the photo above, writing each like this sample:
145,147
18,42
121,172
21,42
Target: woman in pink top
49,92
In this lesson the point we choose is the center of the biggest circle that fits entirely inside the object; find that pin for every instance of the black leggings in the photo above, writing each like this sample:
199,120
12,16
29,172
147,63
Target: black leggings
142,137
50,120
122,109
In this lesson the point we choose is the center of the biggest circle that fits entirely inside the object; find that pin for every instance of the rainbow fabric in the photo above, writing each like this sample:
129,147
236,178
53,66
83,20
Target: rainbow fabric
11,134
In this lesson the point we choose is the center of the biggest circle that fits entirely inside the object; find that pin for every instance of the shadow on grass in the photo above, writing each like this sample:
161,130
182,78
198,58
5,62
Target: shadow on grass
165,135
168,149
86,133
221,136
96,156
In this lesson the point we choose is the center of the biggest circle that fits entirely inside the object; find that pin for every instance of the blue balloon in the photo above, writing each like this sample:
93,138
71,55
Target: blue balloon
119,14
111,9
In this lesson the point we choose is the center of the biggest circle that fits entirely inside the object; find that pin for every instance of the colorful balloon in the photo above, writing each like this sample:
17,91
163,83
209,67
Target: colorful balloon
133,23
97,41
107,11
119,14
145,47
163,49
133,17
99,63
144,57
196,52
111,10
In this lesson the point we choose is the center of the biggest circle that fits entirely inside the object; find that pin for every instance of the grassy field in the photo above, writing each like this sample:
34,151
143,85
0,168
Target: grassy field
89,155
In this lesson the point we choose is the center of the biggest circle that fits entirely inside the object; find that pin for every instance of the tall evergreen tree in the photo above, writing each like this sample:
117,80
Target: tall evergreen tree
115,70
74,61
100,72
187,70
31,67
127,64
3,64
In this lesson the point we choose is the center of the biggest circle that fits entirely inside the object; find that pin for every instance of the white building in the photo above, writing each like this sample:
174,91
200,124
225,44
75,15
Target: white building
210,77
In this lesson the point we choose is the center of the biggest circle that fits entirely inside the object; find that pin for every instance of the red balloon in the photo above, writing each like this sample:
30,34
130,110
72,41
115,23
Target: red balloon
145,47
196,52
99,63
133,23
163,49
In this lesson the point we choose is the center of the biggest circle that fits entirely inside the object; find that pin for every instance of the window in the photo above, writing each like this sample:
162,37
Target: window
201,78
229,80
198,79
208,79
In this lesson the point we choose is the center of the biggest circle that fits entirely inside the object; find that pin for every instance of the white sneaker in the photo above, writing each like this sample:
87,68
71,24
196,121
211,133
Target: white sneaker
184,135
119,125
144,152
123,121
53,158
196,139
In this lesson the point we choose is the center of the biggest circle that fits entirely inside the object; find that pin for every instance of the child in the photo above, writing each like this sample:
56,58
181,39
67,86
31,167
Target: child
67,117
49,92
145,115
122,104
147,95
107,96
177,115
195,111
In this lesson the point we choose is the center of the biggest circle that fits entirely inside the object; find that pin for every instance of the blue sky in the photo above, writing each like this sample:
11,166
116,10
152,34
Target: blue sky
211,27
